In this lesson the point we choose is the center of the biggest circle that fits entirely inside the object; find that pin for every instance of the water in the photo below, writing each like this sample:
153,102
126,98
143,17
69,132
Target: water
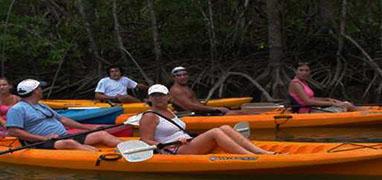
27,172
349,134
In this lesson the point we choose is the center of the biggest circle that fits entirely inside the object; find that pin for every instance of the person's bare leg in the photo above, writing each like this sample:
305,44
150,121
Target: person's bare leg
243,141
72,144
102,137
206,142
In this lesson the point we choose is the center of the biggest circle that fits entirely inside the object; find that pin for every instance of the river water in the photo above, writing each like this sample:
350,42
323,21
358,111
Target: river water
354,134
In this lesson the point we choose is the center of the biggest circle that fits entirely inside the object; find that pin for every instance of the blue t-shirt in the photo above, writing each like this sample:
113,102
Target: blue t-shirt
35,118
111,87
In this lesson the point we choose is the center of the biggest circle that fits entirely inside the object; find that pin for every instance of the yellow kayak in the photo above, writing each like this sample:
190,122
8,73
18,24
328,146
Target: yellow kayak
370,116
136,107
298,158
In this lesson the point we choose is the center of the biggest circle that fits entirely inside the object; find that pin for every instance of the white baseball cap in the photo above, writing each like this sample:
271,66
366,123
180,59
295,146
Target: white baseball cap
177,69
28,85
157,88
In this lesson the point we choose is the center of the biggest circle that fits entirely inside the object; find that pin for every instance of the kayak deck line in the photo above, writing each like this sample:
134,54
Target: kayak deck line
372,116
234,103
296,157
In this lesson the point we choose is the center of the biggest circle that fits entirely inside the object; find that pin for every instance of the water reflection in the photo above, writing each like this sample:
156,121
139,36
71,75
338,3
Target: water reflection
325,134
27,172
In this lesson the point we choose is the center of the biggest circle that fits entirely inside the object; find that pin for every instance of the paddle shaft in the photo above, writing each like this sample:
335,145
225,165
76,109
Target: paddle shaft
61,138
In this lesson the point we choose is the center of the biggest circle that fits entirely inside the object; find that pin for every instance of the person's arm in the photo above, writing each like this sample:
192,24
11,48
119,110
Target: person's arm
298,89
181,99
131,84
2,122
100,91
127,99
103,97
142,86
73,124
24,135
147,126
325,99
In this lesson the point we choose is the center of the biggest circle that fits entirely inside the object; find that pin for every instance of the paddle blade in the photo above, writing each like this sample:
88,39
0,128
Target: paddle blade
135,150
134,120
243,128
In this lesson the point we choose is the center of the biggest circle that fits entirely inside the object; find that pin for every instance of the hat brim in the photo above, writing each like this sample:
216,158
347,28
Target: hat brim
43,83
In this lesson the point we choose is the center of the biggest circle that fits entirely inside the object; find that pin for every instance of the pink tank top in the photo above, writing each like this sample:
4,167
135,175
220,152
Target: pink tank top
3,111
5,107
308,91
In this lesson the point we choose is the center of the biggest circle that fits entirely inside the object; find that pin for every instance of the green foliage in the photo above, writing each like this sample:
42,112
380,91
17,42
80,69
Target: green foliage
40,34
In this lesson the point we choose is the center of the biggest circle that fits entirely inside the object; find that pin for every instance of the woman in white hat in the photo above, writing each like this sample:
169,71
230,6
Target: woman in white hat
155,129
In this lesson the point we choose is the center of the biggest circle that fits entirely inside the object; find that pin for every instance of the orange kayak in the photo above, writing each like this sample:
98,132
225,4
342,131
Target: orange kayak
300,158
371,116
233,103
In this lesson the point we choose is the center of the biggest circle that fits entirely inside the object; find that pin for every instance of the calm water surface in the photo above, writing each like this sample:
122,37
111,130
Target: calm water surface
356,134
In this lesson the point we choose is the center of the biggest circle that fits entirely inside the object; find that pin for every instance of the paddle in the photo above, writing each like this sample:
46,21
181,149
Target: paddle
319,108
61,138
243,128
271,106
137,151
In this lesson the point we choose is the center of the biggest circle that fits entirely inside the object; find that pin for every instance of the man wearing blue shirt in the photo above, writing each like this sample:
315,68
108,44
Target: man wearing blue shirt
33,122
114,87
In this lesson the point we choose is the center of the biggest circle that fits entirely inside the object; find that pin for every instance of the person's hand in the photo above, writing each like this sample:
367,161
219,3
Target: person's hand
183,140
111,98
332,100
51,136
120,97
346,105
93,127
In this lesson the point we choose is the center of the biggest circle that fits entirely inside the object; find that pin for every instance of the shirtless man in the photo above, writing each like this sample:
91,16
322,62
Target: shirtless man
184,98
114,87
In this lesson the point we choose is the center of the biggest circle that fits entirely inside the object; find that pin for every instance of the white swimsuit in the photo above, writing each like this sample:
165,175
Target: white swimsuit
167,132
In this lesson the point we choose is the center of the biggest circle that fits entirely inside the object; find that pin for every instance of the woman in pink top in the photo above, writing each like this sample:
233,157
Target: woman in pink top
7,99
300,91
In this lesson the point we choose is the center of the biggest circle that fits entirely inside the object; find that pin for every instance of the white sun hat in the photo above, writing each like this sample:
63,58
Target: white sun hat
178,69
28,85
157,88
